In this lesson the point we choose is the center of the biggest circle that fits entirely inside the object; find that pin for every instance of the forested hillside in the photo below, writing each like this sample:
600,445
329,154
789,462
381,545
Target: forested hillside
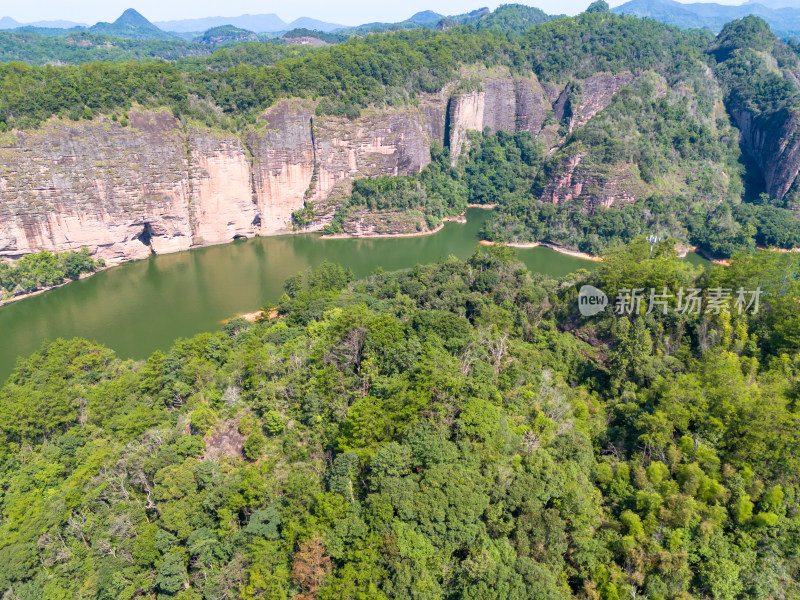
456,430
375,69
452,431
648,129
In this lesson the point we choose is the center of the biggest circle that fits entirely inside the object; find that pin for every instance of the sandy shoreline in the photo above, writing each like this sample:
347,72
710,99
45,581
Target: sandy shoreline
252,317
350,236
709,257
458,219
554,247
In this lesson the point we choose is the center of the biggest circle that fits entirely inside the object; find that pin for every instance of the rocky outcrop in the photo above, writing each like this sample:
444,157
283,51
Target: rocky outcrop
594,185
580,100
502,103
774,143
563,185
123,192
155,186
282,149
596,93
222,205
386,142
160,185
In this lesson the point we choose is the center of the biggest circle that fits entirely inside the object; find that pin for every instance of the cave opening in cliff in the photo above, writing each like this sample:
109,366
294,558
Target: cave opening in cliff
256,221
146,237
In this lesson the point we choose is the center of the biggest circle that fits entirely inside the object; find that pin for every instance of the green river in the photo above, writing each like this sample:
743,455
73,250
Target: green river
141,306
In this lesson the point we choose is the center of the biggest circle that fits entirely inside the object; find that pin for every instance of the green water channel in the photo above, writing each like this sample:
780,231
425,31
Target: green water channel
143,306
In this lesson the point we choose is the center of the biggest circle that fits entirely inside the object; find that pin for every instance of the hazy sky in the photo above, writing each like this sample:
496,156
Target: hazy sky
346,12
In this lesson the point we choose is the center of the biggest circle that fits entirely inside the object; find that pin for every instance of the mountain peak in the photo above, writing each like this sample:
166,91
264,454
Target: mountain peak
131,24
425,16
132,17
9,23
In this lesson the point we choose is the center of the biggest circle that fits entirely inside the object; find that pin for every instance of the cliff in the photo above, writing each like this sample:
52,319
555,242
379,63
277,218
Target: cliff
773,143
624,147
593,184
502,103
161,185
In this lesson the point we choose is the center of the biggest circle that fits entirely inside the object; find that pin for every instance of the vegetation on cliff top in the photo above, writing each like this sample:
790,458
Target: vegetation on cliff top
666,141
377,69
451,431
512,171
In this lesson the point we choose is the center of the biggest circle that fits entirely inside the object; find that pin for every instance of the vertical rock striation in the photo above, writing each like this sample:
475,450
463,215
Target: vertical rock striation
503,103
773,142
283,163
161,185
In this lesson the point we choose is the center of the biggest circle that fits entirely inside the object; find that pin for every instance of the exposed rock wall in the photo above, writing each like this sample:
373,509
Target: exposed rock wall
775,146
593,185
283,163
596,93
160,185
154,187
222,205
504,103
386,142
96,184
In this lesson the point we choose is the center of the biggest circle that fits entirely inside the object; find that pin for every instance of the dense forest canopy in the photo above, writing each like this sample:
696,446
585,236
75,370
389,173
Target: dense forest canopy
456,430
374,69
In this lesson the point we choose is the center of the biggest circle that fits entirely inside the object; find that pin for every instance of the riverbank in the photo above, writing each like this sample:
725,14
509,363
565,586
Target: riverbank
252,317
371,235
145,305
551,246
457,219
710,257
40,291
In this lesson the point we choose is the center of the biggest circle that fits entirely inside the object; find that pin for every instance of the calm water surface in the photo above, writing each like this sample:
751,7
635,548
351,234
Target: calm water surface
143,306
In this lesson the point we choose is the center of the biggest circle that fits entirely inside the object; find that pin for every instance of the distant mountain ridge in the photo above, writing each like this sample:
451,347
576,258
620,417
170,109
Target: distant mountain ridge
9,23
131,24
778,3
258,23
784,20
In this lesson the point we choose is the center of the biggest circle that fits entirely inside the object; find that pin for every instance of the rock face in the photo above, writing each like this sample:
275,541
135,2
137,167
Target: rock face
775,146
283,163
387,142
160,185
222,204
123,192
505,103
592,185
156,187
596,93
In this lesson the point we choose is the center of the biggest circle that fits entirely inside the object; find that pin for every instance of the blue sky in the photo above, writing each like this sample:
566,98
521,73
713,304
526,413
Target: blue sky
346,12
